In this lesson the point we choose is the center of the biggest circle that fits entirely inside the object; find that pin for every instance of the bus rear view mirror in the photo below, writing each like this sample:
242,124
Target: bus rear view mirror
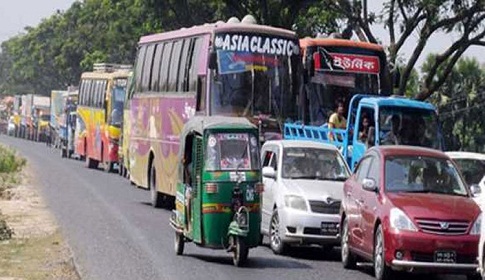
213,61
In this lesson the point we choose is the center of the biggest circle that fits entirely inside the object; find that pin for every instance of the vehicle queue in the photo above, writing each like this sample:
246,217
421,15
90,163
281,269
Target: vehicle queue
229,124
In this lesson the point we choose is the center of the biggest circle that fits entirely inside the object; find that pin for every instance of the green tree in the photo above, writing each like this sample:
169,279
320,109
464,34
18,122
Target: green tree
421,19
460,102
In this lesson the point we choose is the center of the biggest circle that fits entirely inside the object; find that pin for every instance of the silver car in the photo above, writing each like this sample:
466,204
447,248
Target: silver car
303,191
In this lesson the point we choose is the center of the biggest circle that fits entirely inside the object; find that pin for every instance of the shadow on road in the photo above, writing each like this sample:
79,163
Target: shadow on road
315,253
253,262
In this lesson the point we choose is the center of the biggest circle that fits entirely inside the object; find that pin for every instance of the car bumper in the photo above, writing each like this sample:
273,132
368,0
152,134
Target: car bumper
418,251
301,227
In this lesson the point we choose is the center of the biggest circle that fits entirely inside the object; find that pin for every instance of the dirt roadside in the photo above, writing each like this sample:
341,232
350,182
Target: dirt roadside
37,249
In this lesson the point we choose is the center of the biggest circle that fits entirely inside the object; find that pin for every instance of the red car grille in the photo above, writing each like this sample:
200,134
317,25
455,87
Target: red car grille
443,227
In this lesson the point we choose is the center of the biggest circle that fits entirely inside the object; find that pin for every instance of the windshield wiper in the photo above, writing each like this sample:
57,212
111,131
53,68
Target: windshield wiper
304,177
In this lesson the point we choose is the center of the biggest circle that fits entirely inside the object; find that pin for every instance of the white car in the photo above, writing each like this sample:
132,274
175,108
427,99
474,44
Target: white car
472,167
303,191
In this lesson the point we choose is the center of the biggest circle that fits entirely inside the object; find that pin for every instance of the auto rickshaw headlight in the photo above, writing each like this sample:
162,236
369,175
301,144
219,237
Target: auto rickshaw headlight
211,188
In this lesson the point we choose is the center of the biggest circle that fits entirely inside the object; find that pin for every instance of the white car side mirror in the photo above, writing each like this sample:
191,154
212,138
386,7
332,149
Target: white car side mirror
269,172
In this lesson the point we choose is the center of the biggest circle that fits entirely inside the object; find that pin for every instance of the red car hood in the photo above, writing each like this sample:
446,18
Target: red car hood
435,206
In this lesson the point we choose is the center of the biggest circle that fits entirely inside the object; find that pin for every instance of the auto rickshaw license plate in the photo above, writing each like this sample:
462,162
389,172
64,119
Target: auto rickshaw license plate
329,228
445,256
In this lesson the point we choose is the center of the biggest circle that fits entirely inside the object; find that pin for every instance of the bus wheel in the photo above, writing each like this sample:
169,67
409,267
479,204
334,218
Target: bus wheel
156,197
91,163
63,152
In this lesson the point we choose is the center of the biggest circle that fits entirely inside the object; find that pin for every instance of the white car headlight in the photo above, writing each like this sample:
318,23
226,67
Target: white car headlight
477,226
296,202
401,221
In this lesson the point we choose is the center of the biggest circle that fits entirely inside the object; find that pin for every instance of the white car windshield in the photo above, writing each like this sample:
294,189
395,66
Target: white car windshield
412,174
314,163
473,170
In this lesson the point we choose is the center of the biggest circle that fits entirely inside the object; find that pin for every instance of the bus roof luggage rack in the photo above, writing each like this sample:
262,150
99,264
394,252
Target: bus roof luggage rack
110,67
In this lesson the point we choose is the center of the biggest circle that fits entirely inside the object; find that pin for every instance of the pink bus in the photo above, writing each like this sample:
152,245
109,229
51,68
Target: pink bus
227,68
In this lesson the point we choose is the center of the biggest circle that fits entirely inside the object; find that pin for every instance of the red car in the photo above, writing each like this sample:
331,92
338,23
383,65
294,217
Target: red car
408,209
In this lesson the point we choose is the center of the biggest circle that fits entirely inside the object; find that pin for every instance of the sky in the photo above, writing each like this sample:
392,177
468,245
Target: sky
15,15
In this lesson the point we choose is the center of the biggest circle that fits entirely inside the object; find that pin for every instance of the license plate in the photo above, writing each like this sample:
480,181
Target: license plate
329,228
445,256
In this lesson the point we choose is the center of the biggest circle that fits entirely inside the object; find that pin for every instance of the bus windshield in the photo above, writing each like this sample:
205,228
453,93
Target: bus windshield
340,73
409,126
117,103
259,81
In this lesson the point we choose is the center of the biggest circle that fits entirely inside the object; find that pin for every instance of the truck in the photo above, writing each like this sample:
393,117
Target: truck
371,121
34,112
67,125
57,112
16,118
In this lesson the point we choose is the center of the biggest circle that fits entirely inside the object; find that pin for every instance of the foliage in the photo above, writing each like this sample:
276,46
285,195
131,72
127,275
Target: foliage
460,101
422,19
10,162
6,232
53,54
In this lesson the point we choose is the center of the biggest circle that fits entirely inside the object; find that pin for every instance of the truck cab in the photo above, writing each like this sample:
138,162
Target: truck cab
374,121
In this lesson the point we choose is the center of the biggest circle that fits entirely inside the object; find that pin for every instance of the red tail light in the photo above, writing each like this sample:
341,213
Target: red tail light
259,187
211,188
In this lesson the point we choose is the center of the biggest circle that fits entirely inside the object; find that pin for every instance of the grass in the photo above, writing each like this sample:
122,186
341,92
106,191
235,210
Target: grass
36,258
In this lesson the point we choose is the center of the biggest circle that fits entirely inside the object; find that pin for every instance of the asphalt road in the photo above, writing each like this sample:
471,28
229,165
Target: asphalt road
115,234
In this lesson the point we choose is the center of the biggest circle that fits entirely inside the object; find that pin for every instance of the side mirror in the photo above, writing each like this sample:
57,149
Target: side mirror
475,190
269,172
371,137
369,185
213,61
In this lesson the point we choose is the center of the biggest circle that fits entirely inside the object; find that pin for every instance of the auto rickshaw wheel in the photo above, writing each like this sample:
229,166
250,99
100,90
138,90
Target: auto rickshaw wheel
179,243
240,252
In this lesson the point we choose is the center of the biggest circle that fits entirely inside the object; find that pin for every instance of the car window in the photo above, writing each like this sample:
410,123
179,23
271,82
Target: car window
374,170
473,170
417,174
274,161
363,169
270,159
314,163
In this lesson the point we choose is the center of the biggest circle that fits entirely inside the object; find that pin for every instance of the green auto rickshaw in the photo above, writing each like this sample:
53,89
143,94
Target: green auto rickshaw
219,186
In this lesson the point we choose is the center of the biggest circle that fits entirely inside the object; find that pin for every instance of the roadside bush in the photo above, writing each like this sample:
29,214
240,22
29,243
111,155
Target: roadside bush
10,166
6,232
9,160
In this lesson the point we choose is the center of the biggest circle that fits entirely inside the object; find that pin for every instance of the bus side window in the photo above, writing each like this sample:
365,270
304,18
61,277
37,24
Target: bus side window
201,94
174,65
181,78
82,92
147,69
157,60
164,70
194,59
139,67
90,90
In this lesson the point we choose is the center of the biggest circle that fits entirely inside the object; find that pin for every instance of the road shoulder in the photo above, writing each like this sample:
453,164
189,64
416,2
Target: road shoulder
37,249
